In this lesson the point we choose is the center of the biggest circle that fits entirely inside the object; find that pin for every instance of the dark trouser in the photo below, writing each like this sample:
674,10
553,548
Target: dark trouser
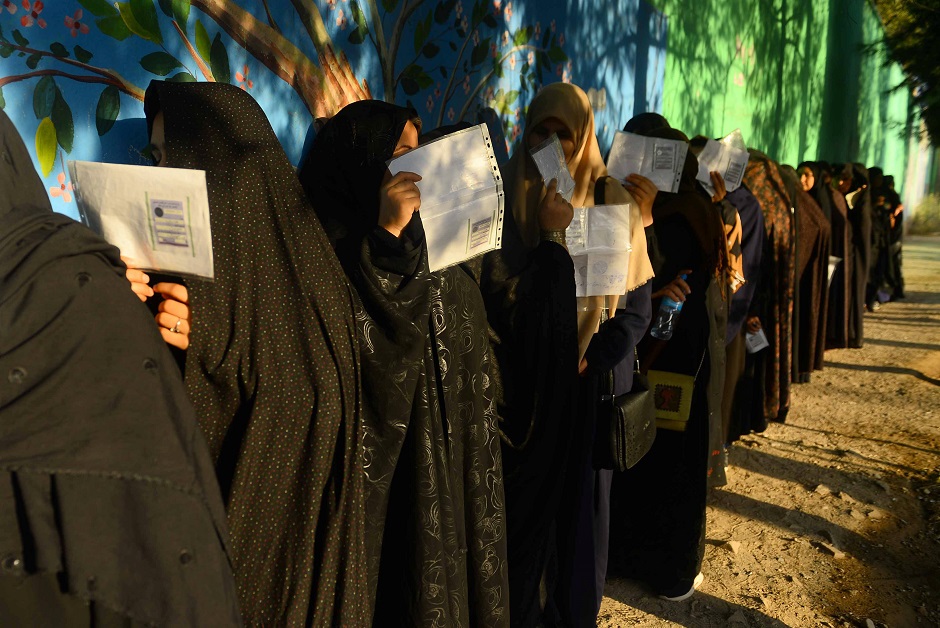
38,600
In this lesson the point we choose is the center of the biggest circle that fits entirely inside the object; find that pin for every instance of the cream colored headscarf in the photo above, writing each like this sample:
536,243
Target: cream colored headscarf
570,105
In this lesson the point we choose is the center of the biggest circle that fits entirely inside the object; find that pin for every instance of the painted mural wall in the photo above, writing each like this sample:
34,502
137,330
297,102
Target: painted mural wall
73,72
802,79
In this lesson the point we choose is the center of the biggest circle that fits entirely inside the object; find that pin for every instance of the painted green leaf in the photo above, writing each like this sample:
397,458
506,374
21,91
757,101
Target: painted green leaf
59,50
422,32
46,146
100,8
19,39
430,50
424,81
109,106
389,5
443,72
114,27
546,38
356,37
479,52
43,97
490,20
218,61
182,77
82,55
512,97
160,63
358,16
522,36
181,12
3,102
203,43
557,55
140,17
166,6
62,119
409,85
5,51
33,61
146,15
452,45
479,10
441,13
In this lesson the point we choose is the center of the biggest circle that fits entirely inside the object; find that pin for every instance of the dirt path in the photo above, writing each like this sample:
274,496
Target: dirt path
833,518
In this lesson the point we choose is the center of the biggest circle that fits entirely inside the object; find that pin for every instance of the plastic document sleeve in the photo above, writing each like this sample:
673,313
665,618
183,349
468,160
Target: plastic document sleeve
728,161
659,160
157,217
462,200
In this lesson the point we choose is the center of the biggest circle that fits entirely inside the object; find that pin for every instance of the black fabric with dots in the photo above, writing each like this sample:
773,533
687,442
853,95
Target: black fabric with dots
273,366
104,474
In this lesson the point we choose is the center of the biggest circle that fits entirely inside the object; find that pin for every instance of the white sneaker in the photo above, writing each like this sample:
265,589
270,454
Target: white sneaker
696,583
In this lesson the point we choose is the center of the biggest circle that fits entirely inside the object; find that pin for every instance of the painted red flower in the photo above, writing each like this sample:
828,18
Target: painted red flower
9,6
32,14
243,81
430,103
508,11
73,23
63,189
451,114
341,20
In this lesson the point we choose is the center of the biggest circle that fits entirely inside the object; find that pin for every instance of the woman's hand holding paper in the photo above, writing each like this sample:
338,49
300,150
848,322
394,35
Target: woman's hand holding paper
399,198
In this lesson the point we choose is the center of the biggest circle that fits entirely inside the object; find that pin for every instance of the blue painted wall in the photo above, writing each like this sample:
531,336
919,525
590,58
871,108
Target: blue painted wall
73,72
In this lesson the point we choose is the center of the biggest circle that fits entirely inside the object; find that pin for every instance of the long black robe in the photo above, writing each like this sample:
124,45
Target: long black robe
840,288
109,510
434,490
273,368
860,220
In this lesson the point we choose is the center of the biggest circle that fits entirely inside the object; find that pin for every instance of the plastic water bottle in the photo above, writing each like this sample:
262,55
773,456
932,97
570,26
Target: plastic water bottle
666,318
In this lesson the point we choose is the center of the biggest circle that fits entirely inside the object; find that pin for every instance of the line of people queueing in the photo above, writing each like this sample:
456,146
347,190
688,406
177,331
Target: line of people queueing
390,445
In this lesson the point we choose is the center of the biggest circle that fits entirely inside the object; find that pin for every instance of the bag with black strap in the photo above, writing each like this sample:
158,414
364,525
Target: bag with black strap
626,425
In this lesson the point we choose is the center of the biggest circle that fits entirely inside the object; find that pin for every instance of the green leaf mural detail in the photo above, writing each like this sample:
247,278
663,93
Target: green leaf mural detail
356,37
114,27
557,55
182,77
109,106
100,8
82,55
3,102
181,11
33,61
59,50
422,32
44,97
389,5
62,119
160,63
203,43
218,59
5,50
166,6
443,10
19,39
140,17
430,50
479,52
46,146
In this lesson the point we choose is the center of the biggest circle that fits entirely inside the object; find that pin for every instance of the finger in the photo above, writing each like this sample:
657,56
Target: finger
403,176
177,340
174,308
552,188
142,290
169,322
134,275
674,293
129,261
582,367
682,285
175,291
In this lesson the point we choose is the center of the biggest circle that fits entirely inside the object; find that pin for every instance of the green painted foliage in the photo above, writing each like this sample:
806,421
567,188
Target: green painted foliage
109,106
46,145
160,63
218,61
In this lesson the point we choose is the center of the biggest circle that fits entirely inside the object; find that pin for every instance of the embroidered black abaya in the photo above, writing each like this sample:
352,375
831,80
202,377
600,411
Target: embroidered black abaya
273,366
436,527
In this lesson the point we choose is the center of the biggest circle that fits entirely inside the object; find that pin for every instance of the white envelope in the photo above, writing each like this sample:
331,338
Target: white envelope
157,217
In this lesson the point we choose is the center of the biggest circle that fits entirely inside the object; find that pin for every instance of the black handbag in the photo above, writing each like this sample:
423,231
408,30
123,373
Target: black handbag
626,424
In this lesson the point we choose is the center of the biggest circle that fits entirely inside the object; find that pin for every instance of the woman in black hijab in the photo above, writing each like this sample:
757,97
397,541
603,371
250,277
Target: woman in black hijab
858,198
109,510
436,527
273,366
658,506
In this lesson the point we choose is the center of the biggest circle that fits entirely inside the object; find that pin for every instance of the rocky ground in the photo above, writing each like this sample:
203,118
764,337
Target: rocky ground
833,518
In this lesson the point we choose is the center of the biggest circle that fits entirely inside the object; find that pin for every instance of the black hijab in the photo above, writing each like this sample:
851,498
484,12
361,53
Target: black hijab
819,191
105,481
273,368
643,123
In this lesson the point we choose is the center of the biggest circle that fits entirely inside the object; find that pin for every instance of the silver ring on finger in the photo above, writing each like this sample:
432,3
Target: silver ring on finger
176,328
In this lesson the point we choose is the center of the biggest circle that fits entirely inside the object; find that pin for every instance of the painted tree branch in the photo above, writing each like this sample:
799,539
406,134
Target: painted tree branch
489,75
449,90
318,88
206,72
267,12
81,78
112,77
388,74
339,67
381,48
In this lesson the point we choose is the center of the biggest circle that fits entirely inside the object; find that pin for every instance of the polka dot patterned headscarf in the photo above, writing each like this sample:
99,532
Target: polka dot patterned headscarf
273,366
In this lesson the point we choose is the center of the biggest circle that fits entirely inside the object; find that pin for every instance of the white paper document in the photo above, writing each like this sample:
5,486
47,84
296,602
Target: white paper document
157,217
462,200
756,342
549,158
728,161
598,240
833,265
659,160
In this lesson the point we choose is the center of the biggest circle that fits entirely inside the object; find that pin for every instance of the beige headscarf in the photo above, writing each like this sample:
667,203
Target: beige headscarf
570,105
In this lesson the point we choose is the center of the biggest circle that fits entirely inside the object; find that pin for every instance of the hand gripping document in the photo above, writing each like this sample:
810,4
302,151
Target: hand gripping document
158,217
462,200
549,158
659,160
728,157
598,240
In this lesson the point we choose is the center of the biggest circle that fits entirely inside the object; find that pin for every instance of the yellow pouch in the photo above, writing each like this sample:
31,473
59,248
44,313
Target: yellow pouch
672,395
